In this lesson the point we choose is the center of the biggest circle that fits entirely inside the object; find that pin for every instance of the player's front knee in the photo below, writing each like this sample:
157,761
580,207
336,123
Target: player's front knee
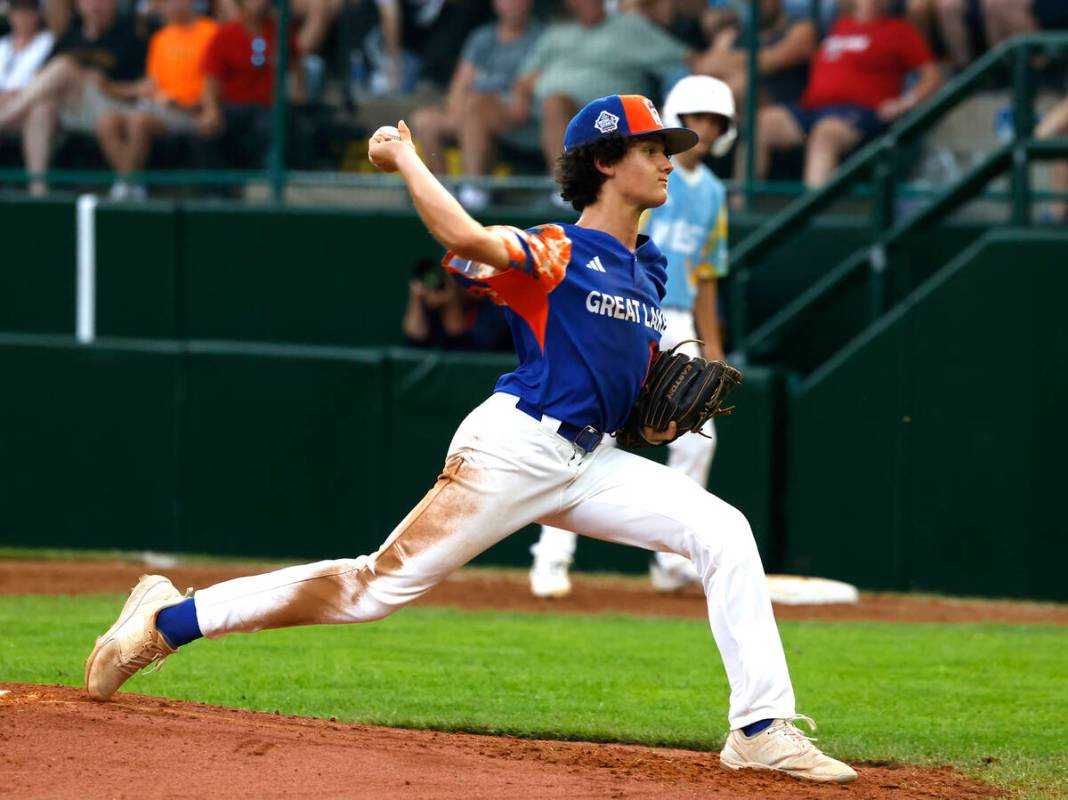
742,542
729,536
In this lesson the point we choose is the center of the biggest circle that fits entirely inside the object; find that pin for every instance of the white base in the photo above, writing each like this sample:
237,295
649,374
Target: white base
795,590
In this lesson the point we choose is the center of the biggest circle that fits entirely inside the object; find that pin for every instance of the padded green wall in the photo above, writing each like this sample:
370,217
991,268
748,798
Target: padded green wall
889,464
280,450
137,276
89,439
267,450
929,454
37,266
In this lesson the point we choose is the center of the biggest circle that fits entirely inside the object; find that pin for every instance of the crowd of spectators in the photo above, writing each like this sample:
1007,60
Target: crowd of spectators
508,73
832,75
107,77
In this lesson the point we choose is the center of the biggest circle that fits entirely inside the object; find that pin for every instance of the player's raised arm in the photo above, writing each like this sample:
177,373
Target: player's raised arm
391,150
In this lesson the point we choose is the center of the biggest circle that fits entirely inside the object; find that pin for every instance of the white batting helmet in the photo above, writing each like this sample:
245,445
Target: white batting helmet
697,94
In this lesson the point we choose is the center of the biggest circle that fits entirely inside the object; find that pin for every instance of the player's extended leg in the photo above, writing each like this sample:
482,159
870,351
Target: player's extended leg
692,456
621,497
504,470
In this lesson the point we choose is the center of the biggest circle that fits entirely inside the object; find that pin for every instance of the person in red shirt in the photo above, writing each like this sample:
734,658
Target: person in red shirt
239,72
855,90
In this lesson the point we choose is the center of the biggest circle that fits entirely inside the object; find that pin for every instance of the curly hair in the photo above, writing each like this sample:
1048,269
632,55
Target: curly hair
576,172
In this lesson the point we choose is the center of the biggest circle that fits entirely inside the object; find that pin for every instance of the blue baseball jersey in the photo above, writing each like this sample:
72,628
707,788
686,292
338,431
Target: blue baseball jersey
691,230
585,317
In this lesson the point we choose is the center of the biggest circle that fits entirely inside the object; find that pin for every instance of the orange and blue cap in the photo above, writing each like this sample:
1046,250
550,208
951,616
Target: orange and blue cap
629,115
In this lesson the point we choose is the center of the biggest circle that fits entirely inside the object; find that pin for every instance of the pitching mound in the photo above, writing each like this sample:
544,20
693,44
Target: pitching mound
56,743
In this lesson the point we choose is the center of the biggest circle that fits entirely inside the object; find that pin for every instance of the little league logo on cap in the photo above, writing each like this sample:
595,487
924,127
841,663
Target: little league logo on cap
629,115
606,122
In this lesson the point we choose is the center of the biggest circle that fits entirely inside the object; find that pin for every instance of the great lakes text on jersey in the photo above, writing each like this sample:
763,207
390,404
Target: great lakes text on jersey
624,308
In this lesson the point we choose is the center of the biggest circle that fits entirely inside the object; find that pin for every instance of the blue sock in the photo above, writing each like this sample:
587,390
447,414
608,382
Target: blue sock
178,624
756,727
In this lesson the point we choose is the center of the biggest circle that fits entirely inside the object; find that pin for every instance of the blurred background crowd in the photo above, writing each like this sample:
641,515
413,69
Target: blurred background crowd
487,85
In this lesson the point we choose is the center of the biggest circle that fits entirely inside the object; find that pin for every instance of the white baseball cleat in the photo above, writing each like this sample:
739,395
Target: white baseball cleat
783,748
550,578
673,578
133,642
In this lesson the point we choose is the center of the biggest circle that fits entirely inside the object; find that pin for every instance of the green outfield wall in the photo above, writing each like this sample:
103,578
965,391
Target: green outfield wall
286,451
929,454
222,271
245,396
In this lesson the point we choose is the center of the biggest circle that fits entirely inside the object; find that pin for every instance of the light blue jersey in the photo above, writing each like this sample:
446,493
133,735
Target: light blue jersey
691,230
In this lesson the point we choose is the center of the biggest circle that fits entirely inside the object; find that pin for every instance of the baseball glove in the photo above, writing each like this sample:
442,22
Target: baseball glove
689,391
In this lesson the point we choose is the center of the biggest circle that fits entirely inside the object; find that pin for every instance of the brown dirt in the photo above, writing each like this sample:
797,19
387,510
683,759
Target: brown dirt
58,744
484,590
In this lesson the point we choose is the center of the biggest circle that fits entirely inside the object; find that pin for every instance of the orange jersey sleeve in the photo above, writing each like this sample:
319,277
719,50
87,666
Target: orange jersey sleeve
538,261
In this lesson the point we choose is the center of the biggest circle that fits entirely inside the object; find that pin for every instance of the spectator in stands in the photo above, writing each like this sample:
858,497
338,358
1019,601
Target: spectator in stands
24,49
475,109
1054,125
721,14
58,15
1001,20
786,46
855,90
441,314
593,56
170,95
403,41
955,30
1006,18
94,68
311,21
239,75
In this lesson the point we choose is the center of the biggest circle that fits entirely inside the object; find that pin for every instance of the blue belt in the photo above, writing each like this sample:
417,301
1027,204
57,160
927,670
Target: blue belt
586,438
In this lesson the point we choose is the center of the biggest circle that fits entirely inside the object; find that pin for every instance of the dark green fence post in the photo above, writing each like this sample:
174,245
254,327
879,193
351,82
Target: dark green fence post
882,219
738,322
752,44
277,153
1023,122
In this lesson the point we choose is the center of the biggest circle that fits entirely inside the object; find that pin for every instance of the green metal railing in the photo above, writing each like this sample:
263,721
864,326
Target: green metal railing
877,160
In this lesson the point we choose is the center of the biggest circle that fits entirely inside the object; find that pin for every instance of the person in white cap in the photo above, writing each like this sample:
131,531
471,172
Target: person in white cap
691,230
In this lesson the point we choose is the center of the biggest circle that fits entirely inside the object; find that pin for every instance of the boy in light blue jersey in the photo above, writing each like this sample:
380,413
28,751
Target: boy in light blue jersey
690,229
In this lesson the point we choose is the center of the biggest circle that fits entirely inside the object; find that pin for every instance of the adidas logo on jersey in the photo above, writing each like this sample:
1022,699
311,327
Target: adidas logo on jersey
595,264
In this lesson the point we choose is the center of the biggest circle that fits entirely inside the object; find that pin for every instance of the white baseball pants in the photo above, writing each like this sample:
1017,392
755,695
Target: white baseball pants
504,470
691,455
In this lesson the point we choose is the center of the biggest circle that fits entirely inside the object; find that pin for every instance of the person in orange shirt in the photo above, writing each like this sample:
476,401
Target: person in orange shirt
170,95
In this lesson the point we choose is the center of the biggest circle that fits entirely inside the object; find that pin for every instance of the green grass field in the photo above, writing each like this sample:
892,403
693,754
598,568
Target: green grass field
990,699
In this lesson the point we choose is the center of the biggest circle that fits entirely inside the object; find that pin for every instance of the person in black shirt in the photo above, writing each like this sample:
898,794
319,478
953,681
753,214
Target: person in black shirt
94,68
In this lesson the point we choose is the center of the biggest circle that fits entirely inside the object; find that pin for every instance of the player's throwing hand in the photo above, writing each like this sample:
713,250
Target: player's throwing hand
387,145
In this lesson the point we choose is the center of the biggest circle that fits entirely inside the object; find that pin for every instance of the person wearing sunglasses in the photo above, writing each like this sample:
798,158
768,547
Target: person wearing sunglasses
239,75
